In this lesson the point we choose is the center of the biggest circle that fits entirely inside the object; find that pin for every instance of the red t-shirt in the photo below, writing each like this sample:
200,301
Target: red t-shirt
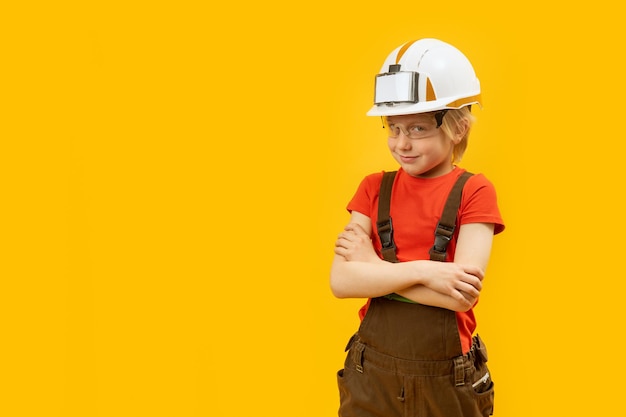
416,207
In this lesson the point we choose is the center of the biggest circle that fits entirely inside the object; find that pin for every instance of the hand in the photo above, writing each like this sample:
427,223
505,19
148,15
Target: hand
468,302
461,282
354,244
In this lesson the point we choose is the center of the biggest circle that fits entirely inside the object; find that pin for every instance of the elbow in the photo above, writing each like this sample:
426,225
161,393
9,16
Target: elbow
338,294
336,288
337,281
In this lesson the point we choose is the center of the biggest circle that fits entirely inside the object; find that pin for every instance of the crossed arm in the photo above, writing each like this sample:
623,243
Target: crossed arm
358,272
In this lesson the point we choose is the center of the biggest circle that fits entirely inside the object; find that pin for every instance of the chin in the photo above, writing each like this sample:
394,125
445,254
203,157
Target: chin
425,173
414,172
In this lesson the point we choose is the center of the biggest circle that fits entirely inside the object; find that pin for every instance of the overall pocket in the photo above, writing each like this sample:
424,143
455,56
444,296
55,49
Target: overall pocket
483,388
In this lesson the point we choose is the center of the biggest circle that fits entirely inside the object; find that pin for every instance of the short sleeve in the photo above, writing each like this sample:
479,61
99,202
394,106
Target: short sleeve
480,203
366,195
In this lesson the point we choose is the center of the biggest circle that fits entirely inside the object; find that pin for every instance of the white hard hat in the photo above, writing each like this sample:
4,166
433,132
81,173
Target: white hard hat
424,76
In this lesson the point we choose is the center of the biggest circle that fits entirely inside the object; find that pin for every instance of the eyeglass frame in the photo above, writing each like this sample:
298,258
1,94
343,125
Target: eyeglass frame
438,118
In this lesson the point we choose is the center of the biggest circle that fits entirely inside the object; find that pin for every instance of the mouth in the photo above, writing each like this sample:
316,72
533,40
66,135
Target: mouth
407,159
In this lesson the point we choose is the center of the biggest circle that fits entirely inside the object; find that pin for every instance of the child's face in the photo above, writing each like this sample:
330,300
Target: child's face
420,148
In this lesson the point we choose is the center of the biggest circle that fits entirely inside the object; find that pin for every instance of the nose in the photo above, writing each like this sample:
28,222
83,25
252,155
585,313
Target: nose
403,141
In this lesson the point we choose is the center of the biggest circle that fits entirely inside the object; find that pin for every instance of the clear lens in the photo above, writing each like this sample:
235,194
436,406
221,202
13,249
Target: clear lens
418,129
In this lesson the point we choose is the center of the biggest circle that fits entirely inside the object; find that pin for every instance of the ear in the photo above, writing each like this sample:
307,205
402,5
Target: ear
461,130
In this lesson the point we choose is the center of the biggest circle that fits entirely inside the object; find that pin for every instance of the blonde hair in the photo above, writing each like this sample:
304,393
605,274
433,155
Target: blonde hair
454,121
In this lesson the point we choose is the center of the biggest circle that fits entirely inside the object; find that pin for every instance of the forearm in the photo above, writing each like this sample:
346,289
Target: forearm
473,248
370,279
424,295
357,272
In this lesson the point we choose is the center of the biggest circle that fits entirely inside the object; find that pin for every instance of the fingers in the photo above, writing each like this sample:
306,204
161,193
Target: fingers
467,278
348,240
474,281
468,301
353,233
474,270
342,243
345,236
463,299
356,228
354,244
473,276
469,289
467,283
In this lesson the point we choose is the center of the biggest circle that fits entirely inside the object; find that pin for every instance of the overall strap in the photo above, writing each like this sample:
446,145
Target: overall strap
384,225
447,224
445,227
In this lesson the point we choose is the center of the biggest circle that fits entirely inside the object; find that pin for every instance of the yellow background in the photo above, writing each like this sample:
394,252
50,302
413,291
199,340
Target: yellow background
174,175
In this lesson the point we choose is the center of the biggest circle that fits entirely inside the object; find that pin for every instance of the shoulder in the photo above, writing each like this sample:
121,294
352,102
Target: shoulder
366,194
372,181
375,178
478,182
479,203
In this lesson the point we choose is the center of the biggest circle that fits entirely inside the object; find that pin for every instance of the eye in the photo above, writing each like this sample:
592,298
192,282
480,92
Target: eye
416,129
394,129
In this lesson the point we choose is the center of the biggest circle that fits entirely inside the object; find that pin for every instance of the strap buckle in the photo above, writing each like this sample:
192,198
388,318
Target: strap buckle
443,235
385,232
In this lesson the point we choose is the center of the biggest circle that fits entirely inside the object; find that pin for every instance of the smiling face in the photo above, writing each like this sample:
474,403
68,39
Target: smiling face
421,149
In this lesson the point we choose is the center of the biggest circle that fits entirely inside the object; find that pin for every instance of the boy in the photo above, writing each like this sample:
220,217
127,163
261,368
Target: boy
415,353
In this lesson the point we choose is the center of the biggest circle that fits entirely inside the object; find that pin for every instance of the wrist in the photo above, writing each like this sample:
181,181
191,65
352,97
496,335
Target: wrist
416,272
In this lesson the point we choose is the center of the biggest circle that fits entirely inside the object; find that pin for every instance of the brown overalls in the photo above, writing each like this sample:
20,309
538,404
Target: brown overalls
406,360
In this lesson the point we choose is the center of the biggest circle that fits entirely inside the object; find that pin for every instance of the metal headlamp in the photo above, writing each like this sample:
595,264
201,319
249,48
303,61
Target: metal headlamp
396,86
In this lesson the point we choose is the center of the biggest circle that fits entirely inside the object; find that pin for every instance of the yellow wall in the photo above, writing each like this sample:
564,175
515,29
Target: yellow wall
174,176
